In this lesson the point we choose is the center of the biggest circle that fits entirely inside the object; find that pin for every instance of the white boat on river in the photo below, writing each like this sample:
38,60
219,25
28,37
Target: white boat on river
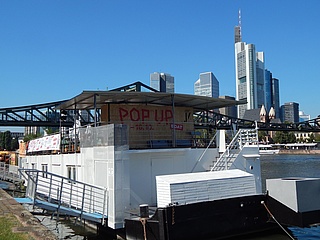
267,149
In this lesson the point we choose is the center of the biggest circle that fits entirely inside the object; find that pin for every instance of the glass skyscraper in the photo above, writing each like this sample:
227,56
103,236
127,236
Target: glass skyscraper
272,97
207,85
163,82
290,112
250,76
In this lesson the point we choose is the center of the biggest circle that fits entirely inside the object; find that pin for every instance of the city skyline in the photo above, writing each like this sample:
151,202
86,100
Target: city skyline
54,50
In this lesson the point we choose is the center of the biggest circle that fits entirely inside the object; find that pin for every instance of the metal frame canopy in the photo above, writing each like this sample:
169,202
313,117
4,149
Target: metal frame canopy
95,99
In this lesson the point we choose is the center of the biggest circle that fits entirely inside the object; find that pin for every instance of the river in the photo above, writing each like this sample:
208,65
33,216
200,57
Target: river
278,166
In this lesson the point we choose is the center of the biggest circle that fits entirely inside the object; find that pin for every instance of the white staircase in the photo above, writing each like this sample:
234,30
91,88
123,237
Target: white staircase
244,137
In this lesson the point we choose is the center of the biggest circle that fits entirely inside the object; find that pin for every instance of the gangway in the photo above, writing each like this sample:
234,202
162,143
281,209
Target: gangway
9,173
61,195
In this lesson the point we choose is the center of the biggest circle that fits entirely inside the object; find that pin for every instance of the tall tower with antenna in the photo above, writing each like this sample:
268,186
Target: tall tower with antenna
237,29
250,73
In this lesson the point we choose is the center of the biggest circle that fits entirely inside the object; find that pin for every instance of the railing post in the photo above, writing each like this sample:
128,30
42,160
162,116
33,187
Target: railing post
49,195
105,199
59,202
82,205
70,194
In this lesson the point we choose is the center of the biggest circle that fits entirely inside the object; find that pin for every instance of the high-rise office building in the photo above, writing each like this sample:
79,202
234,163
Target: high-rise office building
275,96
268,88
272,97
207,85
228,111
163,82
290,112
250,74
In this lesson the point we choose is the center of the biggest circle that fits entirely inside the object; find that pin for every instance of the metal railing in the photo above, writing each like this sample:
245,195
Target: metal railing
66,193
242,138
9,173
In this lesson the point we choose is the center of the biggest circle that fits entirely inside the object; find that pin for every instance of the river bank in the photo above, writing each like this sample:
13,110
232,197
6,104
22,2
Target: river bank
299,151
26,222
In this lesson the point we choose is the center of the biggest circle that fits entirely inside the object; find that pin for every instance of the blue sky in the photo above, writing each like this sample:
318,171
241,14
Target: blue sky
53,50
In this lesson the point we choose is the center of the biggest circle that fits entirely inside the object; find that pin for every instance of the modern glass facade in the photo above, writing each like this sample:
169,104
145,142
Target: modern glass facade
272,97
163,82
207,85
275,97
268,88
290,112
250,77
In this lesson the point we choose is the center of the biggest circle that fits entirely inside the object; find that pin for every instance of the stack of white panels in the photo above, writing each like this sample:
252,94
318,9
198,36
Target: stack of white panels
205,186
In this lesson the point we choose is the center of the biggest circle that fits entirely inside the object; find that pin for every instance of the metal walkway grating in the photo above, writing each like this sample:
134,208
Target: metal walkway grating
62,195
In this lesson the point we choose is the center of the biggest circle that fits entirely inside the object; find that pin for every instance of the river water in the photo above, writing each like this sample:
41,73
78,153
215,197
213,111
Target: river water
272,166
279,166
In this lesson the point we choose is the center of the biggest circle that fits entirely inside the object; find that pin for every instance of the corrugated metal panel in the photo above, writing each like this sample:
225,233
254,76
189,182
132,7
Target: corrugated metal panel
207,186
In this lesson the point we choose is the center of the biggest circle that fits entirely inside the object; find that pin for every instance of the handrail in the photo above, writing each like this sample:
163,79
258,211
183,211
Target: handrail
242,137
204,151
67,193
226,153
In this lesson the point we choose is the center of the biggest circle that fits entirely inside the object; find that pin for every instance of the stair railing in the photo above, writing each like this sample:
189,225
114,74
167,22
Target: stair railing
242,138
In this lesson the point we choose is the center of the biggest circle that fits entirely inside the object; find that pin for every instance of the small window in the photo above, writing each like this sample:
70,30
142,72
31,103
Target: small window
72,172
45,170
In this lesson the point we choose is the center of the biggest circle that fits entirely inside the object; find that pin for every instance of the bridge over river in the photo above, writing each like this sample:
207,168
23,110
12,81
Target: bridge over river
86,107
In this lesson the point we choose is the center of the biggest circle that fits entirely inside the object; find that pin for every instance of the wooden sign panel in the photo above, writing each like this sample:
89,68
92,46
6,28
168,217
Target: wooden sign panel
150,123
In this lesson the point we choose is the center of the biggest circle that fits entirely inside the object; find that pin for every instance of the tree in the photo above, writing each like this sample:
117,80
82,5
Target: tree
7,140
14,144
1,141
262,135
50,131
284,137
29,137
311,138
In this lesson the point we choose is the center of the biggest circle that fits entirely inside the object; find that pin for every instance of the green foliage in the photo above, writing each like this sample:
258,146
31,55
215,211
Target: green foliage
311,138
7,140
29,137
14,144
7,143
50,131
1,141
262,135
284,137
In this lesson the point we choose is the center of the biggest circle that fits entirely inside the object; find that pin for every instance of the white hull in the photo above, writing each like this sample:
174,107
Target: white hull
269,152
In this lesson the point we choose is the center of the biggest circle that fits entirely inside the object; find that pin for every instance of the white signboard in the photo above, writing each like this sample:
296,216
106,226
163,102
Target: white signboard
46,143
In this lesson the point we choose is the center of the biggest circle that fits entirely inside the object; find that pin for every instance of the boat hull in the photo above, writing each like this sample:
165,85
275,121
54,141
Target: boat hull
213,219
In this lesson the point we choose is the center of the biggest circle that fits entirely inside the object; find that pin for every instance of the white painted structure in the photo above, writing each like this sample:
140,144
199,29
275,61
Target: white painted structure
129,175
299,194
204,186
267,149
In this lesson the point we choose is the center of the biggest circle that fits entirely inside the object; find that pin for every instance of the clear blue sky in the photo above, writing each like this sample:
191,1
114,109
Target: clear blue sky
53,50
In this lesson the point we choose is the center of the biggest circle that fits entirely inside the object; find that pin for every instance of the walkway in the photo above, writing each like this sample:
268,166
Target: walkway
61,195
9,173
30,225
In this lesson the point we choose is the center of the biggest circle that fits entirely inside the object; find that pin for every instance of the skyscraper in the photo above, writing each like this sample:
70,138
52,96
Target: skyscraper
272,97
275,97
268,88
207,85
290,112
250,74
163,82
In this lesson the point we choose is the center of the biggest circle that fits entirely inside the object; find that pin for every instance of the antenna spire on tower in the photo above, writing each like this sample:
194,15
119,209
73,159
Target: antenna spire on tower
239,21
237,29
